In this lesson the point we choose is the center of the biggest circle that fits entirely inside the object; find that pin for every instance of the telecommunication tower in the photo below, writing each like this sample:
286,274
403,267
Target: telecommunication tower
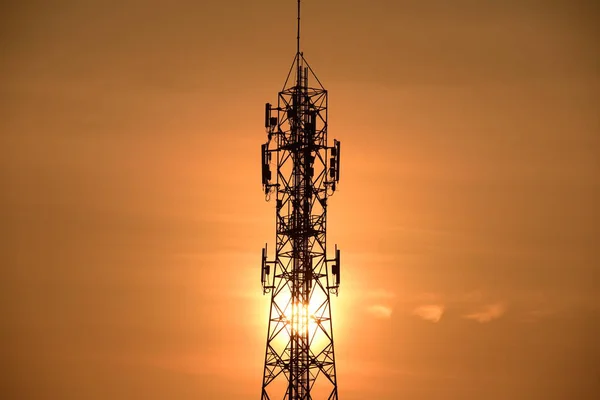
299,358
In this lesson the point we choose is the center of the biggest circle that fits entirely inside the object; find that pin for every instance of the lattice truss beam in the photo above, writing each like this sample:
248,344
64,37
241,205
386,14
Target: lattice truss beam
299,357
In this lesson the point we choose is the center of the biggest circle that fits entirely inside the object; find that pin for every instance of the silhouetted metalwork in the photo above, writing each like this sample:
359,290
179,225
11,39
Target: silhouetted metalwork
299,357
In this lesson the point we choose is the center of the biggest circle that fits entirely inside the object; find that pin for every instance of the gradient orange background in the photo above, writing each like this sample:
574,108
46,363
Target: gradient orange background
133,218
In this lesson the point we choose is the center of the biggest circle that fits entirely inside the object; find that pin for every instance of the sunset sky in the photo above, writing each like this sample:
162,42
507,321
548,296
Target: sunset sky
133,217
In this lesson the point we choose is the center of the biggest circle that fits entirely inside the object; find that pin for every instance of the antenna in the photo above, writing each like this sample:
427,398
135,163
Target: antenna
300,278
298,36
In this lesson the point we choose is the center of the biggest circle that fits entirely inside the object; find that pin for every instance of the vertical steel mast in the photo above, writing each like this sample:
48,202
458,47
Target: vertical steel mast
299,357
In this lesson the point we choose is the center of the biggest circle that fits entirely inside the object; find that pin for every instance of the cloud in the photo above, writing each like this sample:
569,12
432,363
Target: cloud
488,313
380,311
430,312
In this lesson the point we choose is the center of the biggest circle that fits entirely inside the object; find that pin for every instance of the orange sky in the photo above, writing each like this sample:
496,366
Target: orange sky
133,217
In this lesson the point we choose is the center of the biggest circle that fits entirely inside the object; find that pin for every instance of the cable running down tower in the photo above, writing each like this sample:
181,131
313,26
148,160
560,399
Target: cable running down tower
299,357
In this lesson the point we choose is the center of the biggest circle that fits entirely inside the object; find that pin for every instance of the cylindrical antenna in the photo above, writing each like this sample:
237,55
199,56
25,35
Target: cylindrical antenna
298,36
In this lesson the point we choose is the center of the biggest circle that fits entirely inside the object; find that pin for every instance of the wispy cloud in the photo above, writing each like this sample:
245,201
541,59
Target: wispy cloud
488,313
380,311
379,297
430,312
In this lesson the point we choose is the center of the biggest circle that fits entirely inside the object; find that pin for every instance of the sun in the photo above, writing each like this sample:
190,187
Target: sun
309,319
301,316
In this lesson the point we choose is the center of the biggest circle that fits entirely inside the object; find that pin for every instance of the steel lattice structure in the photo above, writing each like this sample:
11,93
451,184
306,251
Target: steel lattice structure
299,357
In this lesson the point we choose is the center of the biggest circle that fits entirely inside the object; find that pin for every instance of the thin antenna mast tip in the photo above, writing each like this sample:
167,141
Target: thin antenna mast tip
298,36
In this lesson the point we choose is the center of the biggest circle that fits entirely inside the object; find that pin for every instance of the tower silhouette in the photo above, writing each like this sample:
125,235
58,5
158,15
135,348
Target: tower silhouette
299,357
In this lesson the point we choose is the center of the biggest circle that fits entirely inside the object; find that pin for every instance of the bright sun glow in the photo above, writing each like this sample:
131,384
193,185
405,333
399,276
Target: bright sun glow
304,319
300,315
